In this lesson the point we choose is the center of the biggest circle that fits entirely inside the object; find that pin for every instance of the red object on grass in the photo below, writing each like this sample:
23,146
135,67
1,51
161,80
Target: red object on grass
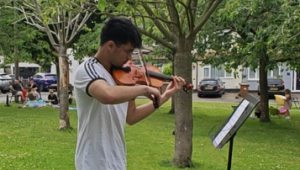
282,111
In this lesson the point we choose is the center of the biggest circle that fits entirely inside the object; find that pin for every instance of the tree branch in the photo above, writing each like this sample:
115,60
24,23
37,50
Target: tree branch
168,35
174,17
210,9
47,29
83,21
159,40
284,59
186,12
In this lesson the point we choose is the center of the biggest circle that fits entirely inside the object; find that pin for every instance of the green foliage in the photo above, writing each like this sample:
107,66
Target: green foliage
88,44
22,42
30,140
102,4
241,30
168,70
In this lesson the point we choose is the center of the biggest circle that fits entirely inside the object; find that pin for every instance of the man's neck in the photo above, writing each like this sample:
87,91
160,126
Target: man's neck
102,56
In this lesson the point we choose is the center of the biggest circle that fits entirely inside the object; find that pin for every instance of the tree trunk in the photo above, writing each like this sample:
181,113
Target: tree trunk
57,74
64,117
263,85
17,70
183,108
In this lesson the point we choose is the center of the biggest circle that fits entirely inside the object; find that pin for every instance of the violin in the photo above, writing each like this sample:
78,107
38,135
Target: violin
131,75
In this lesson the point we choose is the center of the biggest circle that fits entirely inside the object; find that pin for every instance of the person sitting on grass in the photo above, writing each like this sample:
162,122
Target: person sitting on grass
52,97
17,89
32,85
32,96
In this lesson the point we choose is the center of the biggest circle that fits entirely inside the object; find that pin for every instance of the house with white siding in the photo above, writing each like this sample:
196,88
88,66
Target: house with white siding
247,75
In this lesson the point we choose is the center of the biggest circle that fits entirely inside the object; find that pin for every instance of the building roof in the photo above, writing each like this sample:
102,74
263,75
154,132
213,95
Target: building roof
25,64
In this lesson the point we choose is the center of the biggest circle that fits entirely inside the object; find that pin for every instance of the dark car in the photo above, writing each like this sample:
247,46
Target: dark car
44,80
5,82
275,86
211,87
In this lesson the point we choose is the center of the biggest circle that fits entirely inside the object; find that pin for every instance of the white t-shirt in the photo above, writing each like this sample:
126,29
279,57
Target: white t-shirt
100,140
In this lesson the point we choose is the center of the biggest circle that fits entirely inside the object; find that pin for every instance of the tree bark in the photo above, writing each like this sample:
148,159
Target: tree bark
64,117
17,70
57,74
263,85
183,108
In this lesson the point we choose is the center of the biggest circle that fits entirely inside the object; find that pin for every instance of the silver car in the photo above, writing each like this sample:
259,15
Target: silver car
5,82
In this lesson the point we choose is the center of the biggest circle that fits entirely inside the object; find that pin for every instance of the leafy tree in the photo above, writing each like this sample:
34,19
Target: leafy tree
255,34
88,44
20,42
61,21
174,25
168,70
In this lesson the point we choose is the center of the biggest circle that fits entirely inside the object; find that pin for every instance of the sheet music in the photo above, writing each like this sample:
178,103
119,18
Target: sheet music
233,120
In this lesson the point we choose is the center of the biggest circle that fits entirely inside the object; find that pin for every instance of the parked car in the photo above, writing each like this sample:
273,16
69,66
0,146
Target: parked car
44,80
13,77
211,87
5,82
54,87
275,86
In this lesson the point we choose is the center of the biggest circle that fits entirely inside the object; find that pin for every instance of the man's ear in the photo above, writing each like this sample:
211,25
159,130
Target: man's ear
110,45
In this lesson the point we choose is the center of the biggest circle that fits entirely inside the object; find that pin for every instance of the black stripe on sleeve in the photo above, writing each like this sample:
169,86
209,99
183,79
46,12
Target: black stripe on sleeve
87,87
90,69
92,73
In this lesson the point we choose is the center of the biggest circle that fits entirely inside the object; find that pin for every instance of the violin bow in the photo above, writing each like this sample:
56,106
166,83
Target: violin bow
143,63
148,81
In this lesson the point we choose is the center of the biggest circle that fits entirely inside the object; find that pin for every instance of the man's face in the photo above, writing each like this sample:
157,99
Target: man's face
121,54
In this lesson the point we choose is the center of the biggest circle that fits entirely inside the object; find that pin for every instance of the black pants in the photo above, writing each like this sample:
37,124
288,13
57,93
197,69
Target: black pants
257,114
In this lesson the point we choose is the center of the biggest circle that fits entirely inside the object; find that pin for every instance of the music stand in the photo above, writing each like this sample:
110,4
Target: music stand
236,119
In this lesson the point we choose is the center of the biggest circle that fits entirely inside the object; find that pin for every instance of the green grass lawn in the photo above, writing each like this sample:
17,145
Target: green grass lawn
30,140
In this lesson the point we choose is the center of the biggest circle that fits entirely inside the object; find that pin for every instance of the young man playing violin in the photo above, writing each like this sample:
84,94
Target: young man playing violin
103,107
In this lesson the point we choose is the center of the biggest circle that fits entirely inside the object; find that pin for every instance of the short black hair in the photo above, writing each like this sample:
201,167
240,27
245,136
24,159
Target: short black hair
121,31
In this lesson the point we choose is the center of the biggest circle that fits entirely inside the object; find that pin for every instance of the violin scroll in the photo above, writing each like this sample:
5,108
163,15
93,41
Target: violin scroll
187,87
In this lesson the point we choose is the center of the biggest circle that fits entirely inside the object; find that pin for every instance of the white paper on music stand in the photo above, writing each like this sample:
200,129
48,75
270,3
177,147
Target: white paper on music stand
233,120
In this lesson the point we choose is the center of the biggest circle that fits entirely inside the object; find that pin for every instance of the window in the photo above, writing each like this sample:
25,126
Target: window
274,73
206,71
221,72
210,82
254,74
50,76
